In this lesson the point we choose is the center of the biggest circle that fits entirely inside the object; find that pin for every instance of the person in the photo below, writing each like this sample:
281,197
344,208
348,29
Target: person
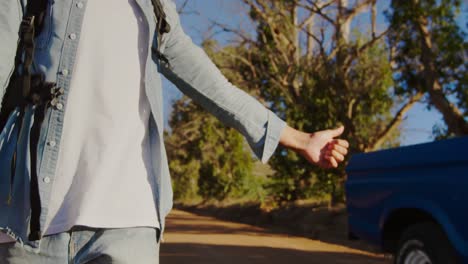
103,176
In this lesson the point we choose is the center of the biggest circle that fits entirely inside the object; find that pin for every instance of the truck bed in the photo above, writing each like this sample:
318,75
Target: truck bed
431,178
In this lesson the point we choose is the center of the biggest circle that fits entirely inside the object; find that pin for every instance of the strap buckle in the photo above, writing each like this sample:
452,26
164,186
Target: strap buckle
43,92
27,31
27,24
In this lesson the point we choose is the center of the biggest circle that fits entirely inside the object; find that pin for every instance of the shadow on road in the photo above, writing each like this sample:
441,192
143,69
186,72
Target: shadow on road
306,221
196,224
174,253
191,238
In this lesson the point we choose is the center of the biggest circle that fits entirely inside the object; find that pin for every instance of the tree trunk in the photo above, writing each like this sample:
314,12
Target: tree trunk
310,41
453,117
333,198
345,23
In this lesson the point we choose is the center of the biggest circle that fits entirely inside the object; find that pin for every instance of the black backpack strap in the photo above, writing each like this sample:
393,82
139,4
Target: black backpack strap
18,93
20,82
31,26
162,27
27,33
161,23
37,9
35,15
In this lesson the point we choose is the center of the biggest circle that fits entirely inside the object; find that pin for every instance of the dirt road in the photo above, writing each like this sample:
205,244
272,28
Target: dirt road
198,239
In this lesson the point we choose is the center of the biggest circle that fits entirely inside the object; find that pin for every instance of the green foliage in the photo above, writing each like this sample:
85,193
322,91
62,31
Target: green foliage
430,52
226,165
345,80
361,100
207,159
181,151
312,93
447,39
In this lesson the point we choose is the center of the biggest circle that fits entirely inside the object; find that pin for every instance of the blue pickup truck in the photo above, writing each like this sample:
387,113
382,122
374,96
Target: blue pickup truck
412,201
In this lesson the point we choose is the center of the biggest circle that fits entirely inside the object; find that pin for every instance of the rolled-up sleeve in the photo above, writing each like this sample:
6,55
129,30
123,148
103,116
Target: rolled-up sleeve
192,71
10,18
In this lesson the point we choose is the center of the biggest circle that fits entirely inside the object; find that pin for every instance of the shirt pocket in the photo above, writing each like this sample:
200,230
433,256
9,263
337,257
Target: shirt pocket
43,39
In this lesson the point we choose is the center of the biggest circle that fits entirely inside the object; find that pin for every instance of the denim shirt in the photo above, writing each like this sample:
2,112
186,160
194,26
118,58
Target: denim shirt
189,69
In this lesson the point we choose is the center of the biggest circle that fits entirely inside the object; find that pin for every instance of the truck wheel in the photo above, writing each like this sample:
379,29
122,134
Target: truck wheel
425,243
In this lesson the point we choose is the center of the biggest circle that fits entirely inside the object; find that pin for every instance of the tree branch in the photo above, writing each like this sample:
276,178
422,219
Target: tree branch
356,52
396,121
318,9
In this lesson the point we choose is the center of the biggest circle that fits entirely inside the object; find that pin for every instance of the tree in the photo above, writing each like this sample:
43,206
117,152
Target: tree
430,57
309,67
182,148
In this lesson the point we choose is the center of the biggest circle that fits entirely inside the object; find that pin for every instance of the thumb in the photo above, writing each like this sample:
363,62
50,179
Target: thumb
337,131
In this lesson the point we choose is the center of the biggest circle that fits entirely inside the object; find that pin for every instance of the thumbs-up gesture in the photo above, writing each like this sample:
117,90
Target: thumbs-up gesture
322,148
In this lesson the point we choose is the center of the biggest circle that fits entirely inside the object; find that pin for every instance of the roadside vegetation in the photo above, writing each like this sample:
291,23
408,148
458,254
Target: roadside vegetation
319,64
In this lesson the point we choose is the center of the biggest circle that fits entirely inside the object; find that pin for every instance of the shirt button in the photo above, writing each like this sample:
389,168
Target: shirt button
52,143
64,72
46,179
59,106
72,36
79,5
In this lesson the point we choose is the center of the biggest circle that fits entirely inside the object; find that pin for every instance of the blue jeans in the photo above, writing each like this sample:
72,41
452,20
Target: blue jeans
83,244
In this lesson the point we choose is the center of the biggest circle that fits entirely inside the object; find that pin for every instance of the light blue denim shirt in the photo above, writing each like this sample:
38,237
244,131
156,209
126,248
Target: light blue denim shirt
189,69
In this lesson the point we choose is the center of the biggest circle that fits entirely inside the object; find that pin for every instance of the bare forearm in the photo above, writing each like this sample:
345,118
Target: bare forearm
294,139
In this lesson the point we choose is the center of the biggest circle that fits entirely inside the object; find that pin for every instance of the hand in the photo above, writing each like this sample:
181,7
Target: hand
320,148
324,150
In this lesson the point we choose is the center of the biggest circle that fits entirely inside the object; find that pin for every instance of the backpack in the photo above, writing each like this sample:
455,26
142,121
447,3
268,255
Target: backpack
26,100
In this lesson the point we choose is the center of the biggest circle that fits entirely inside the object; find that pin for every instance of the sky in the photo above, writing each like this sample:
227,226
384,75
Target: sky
418,123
